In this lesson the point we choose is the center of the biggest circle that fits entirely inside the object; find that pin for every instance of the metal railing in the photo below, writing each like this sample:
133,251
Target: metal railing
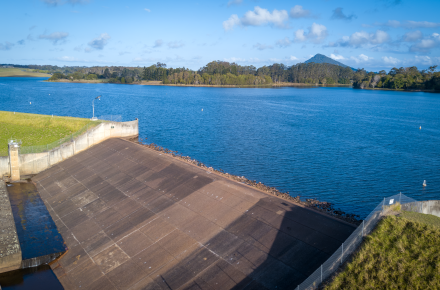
351,244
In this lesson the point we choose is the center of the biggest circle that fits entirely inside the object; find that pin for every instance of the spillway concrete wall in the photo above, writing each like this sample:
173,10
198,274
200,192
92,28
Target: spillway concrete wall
426,207
10,251
34,163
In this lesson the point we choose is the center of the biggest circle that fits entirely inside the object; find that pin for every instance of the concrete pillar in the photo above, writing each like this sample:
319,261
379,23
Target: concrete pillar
14,159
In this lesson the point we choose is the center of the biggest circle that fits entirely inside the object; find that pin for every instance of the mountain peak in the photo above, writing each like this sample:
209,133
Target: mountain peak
320,58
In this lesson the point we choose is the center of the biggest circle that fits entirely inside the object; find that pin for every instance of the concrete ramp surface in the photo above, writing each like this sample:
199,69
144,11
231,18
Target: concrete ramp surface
133,218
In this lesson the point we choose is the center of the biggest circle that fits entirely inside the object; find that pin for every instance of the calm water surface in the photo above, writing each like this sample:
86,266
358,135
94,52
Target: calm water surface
349,147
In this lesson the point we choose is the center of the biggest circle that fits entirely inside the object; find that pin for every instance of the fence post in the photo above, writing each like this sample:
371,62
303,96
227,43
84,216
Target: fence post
342,255
321,273
362,228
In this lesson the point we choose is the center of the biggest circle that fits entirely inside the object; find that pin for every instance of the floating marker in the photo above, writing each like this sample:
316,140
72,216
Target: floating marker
202,110
30,103
420,128
424,182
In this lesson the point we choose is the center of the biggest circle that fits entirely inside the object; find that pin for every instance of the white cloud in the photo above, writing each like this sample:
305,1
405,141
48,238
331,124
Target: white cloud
260,46
426,60
231,22
362,58
425,45
408,24
234,2
362,38
148,10
258,17
175,44
6,46
55,37
158,43
299,35
284,42
390,60
99,42
69,58
234,59
412,36
298,12
336,57
78,48
317,33
293,58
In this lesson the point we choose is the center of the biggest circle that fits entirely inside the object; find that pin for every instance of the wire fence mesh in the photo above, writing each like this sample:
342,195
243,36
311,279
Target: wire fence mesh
50,146
350,245
70,138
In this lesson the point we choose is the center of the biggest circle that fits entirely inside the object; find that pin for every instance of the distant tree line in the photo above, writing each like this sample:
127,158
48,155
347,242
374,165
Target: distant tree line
408,78
226,73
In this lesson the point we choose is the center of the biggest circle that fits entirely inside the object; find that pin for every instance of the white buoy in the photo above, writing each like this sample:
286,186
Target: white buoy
420,128
30,103
202,110
424,182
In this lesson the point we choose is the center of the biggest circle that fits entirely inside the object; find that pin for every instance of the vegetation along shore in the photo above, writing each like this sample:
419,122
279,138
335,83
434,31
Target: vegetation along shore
317,71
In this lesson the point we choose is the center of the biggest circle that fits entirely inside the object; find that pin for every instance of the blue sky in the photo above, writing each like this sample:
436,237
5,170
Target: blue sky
375,34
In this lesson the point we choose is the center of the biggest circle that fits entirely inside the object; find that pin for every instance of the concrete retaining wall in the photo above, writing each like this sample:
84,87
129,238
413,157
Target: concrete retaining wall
426,207
37,162
10,252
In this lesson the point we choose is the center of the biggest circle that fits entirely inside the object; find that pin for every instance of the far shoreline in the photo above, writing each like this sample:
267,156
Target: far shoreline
273,85
159,83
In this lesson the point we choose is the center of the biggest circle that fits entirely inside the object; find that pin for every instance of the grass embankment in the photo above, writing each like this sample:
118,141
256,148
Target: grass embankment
20,72
33,129
403,252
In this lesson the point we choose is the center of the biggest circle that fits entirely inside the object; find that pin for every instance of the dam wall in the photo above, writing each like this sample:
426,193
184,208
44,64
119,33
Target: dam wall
34,163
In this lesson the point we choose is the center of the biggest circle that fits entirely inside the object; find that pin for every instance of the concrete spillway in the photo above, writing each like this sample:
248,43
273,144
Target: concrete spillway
135,219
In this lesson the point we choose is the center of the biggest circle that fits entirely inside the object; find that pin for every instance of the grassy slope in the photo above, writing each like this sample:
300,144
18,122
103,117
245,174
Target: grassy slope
35,129
18,72
401,253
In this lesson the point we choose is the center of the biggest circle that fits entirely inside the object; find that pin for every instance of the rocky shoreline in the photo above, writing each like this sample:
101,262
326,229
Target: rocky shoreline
321,206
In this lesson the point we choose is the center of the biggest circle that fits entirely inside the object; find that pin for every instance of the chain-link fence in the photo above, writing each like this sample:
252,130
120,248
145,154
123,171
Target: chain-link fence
352,243
69,138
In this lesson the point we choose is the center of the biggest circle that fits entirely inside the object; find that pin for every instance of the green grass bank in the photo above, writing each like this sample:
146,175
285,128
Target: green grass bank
403,252
21,72
34,129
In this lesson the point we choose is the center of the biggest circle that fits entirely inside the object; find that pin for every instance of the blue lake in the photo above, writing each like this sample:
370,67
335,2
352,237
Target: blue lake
349,147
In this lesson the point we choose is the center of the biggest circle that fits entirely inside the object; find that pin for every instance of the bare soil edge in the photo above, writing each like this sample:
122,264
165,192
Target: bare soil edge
323,207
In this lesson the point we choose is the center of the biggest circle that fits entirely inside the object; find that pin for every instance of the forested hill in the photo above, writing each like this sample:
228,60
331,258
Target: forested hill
226,73
320,58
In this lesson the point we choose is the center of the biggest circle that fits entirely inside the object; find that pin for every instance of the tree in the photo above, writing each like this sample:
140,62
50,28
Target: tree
107,73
